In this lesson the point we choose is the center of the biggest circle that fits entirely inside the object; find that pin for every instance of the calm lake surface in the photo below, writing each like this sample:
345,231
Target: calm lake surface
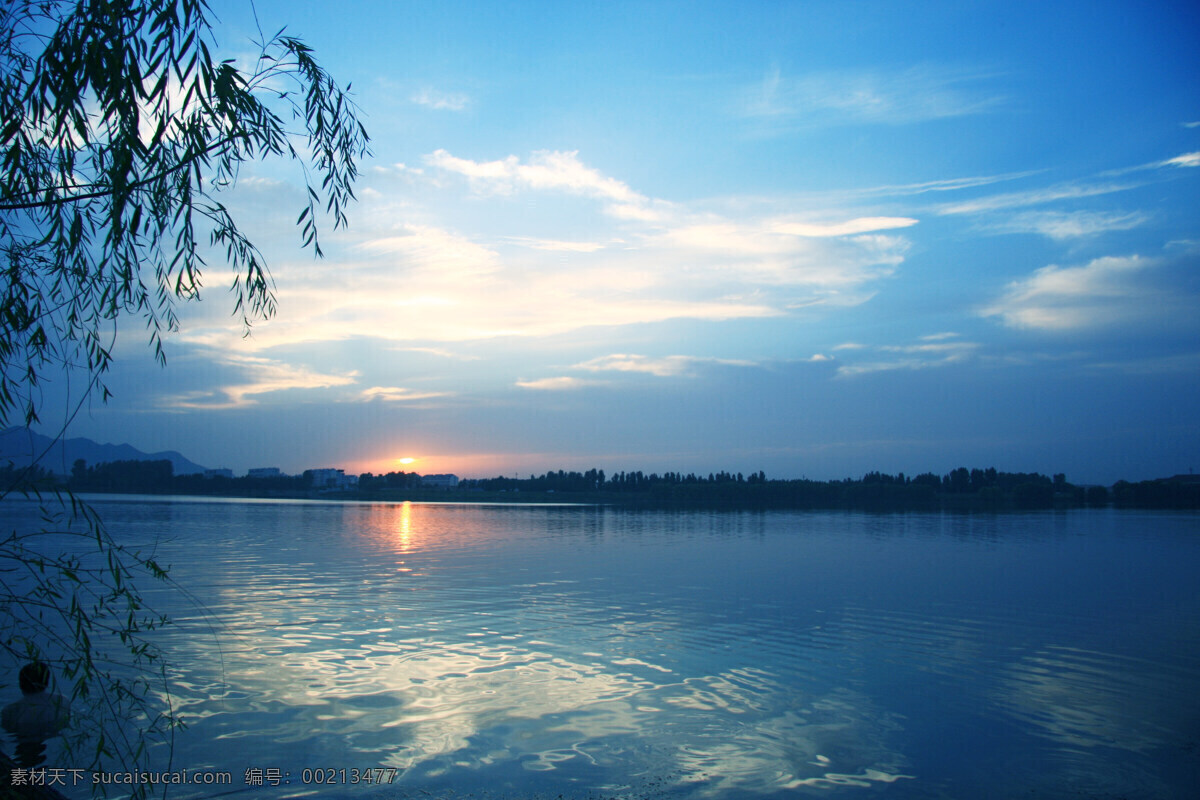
533,651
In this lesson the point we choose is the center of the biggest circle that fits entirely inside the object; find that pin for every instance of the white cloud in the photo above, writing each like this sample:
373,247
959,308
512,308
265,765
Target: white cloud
945,185
666,366
894,97
846,228
935,350
1105,292
520,301
491,171
1062,225
266,375
520,269
763,253
397,394
441,101
556,384
441,352
426,248
1185,160
556,244
1081,223
1050,194
933,346
546,170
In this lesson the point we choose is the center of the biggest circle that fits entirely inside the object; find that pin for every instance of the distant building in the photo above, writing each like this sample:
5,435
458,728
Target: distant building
218,473
332,479
440,481
265,472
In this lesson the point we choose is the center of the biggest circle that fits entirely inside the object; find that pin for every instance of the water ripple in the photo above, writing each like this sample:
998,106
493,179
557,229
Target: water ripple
583,652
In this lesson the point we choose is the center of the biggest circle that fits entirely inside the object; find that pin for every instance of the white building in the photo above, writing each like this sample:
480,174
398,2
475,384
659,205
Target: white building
440,481
265,472
332,479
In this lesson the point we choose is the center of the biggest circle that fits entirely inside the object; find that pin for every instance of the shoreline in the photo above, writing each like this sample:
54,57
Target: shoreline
636,501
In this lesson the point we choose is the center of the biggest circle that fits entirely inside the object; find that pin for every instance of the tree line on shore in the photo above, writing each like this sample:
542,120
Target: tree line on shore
960,488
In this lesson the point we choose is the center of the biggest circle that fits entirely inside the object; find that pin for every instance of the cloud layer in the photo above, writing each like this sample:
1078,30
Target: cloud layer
645,261
894,97
1105,292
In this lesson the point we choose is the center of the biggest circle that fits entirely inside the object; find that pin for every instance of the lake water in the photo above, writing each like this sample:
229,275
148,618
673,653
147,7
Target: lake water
538,651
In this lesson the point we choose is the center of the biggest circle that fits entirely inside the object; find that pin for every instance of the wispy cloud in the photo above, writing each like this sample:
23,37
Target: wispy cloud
556,245
264,376
944,185
1033,197
1061,225
1075,223
397,394
1185,160
1104,292
894,97
768,254
557,384
440,352
666,366
440,101
844,228
935,350
425,248
510,271
547,170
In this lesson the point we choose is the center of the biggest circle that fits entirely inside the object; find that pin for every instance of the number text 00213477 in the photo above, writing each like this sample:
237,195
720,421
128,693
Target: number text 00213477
321,776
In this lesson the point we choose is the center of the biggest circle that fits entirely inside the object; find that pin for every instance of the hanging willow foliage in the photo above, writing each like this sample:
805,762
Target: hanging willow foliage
119,130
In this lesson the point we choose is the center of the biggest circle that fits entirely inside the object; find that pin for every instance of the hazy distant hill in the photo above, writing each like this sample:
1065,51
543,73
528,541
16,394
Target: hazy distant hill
21,445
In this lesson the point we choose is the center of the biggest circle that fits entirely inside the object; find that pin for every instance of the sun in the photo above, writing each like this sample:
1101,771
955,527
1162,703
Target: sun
406,460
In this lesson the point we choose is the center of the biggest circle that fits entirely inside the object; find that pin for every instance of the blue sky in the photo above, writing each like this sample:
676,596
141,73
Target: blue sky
815,239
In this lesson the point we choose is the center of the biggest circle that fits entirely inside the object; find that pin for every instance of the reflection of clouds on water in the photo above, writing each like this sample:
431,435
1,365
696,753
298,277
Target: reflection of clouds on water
1100,713
747,742
730,734
449,644
436,709
736,692
1086,699
449,680
452,695
938,644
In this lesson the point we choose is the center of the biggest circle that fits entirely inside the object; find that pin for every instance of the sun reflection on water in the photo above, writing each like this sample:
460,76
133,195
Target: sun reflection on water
404,527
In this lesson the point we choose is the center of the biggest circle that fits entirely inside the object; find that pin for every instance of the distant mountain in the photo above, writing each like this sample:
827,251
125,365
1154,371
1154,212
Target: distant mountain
21,446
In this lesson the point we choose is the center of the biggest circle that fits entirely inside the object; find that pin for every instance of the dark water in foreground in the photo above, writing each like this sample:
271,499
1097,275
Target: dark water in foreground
516,651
